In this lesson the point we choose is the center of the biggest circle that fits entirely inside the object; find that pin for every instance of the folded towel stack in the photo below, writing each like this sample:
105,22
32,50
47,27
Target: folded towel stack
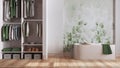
16,49
7,49
11,49
106,49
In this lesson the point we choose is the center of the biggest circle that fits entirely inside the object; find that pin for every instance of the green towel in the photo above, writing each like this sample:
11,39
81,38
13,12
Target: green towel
106,49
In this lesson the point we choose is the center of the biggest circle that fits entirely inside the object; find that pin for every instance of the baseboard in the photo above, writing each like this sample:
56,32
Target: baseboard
118,55
57,55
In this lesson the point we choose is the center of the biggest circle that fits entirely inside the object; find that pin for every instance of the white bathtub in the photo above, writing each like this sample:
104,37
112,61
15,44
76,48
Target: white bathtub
92,52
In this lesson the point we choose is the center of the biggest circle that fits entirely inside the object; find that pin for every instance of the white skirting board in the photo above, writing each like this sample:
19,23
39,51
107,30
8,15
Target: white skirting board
56,55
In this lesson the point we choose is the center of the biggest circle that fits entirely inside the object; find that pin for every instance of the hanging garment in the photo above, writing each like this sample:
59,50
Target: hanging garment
3,33
39,30
12,8
32,5
19,32
6,10
14,32
25,10
7,33
19,9
16,1
27,30
10,32
23,29
29,8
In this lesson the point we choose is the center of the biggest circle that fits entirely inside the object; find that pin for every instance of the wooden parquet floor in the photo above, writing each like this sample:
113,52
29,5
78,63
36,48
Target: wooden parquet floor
60,63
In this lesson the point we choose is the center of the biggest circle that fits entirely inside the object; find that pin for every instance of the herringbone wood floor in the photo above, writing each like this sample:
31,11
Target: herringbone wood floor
60,63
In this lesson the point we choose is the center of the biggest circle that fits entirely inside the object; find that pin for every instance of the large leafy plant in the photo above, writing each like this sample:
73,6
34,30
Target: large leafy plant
100,34
74,36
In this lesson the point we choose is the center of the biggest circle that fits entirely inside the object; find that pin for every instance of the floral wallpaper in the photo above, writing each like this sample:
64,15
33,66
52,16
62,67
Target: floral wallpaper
88,21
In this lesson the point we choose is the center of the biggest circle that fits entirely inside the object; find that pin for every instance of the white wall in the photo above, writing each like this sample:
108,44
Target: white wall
118,27
1,22
54,26
89,12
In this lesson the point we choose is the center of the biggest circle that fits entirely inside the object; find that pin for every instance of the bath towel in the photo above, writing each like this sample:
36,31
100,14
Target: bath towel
106,49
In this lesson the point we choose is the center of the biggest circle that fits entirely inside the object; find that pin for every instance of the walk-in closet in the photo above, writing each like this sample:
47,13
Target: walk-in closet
23,32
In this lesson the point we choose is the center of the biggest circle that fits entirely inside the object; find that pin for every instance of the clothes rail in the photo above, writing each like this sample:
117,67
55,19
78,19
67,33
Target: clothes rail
13,23
33,20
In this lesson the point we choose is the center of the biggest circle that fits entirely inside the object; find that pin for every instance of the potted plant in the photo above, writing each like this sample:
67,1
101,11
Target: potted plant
74,36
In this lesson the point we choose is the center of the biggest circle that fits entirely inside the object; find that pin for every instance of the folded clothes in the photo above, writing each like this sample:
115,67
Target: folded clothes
11,49
7,49
16,49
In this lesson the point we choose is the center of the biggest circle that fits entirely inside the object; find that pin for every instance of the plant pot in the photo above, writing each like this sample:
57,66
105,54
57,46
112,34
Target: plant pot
68,54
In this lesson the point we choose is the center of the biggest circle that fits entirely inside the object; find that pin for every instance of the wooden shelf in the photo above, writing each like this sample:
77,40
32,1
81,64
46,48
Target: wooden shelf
32,51
33,44
11,52
13,23
33,20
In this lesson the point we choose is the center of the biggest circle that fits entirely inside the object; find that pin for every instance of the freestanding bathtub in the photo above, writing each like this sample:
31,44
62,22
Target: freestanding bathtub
92,52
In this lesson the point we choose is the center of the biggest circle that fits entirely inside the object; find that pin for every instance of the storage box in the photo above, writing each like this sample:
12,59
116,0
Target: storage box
37,56
7,56
16,56
27,56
